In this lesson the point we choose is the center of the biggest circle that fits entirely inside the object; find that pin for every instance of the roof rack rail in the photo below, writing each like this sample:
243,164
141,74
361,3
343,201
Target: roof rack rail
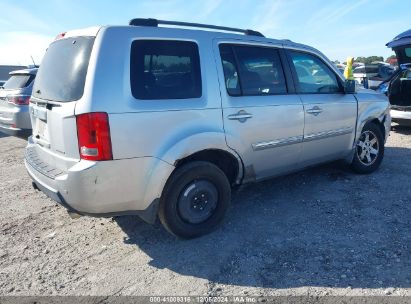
155,23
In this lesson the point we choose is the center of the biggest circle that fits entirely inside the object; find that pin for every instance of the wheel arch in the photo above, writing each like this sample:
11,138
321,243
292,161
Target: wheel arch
227,162
206,146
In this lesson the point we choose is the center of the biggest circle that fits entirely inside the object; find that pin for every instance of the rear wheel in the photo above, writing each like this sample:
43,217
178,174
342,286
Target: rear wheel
195,199
369,150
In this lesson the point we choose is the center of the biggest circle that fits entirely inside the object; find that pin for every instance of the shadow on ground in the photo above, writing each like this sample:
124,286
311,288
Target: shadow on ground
321,227
401,129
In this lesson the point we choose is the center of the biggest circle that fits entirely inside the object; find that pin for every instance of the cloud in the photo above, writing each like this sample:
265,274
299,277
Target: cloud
272,18
17,47
21,17
333,13
338,14
210,7
269,16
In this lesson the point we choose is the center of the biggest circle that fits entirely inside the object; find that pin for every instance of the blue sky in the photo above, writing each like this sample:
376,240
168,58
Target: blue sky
337,28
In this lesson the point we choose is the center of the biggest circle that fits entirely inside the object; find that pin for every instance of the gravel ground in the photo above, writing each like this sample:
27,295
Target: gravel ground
324,231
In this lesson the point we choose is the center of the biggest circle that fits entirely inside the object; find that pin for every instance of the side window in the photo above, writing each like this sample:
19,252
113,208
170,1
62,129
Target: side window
250,70
163,69
313,75
232,82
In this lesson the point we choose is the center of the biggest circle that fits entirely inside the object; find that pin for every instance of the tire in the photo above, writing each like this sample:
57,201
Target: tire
194,200
369,150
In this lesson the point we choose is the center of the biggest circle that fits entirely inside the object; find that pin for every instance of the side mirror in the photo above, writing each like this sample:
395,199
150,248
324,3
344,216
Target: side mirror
349,86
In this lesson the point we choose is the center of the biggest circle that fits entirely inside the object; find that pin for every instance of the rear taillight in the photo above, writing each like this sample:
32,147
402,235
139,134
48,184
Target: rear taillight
93,131
19,100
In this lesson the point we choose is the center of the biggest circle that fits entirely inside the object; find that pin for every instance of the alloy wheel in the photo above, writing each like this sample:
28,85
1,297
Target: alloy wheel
368,148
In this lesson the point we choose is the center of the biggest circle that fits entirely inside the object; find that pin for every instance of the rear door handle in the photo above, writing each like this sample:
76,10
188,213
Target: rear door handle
314,111
241,116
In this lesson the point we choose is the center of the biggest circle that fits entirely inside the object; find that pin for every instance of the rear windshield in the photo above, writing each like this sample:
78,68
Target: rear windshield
63,70
18,81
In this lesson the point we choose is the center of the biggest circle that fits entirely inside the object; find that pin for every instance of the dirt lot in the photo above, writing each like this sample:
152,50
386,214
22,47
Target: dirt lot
318,232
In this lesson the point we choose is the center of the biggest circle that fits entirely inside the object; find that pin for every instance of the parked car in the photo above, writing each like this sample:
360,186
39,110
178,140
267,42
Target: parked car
399,89
384,86
374,73
6,69
14,103
148,120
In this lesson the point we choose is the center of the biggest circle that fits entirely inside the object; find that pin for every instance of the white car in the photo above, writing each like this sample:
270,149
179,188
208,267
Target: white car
374,73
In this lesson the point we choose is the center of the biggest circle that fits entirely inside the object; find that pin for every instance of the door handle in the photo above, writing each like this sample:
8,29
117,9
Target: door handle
241,116
314,111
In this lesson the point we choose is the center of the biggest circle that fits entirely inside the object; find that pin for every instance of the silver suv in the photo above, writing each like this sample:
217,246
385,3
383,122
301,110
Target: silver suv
14,103
151,120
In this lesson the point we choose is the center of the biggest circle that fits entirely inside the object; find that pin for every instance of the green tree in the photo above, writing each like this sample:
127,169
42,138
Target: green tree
369,60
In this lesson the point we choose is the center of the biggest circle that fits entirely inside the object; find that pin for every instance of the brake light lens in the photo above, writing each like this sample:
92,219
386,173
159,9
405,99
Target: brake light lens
60,36
94,140
19,100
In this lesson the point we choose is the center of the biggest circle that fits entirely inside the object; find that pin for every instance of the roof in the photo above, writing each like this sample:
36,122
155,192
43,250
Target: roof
212,32
6,69
400,40
32,71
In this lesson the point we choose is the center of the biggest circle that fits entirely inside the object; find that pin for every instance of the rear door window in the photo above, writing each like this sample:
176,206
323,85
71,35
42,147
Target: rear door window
164,69
252,70
18,81
230,70
63,71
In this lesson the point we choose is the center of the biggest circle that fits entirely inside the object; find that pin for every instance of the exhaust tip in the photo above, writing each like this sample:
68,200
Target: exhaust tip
74,215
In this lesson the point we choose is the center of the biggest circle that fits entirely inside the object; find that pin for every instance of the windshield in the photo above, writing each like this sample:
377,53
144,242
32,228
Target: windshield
18,81
63,70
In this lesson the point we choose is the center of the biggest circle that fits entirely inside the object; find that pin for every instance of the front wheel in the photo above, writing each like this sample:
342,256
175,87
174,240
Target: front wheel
195,199
369,150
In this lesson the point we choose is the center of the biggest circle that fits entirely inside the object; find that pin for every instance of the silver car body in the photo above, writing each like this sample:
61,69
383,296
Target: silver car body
149,138
15,119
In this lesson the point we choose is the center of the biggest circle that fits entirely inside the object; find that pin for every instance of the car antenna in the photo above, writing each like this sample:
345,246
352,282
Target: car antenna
33,61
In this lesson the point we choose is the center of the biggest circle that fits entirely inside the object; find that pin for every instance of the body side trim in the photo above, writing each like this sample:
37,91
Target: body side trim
299,139
327,134
277,143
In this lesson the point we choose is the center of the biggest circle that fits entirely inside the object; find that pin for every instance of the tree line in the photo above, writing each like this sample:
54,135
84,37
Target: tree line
369,60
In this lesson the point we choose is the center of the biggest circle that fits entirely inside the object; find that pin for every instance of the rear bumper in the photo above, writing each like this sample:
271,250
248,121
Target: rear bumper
400,115
106,188
15,121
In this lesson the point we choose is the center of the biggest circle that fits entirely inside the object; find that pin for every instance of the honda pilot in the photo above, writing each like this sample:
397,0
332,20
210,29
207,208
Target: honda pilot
164,121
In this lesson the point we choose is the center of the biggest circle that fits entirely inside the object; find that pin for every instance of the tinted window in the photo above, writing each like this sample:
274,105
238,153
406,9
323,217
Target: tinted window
165,70
230,70
260,71
313,75
62,73
371,69
18,81
385,72
359,70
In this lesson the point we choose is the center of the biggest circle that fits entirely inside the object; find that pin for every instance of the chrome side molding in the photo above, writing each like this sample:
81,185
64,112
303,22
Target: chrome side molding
299,139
